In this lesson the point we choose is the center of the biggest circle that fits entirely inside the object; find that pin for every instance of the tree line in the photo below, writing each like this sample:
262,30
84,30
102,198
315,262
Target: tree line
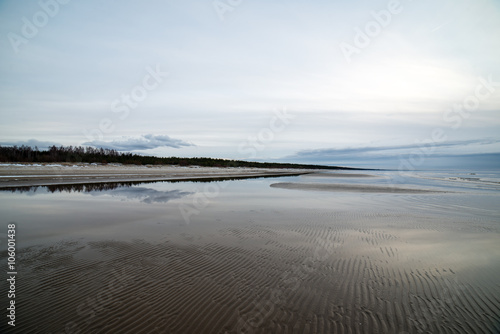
80,154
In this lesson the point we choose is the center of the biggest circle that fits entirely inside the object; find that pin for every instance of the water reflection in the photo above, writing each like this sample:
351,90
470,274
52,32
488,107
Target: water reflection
70,188
107,186
145,195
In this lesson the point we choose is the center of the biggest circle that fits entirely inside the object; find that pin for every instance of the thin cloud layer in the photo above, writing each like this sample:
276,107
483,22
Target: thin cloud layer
479,153
31,143
329,153
145,142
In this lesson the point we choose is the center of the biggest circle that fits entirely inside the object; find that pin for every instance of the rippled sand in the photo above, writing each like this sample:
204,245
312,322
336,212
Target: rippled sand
330,273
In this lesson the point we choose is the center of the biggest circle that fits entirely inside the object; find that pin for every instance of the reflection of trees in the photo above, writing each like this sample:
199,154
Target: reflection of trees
20,189
115,189
106,186
83,187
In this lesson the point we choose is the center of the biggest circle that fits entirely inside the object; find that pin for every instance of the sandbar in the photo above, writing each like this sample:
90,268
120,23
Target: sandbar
362,188
340,175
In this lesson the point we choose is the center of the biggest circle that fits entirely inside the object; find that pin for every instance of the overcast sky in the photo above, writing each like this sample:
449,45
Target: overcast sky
357,83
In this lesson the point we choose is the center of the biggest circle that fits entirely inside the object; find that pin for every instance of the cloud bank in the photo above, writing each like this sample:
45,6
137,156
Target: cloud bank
329,153
459,154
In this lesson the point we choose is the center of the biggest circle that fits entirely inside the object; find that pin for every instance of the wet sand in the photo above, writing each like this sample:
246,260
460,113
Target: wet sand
333,273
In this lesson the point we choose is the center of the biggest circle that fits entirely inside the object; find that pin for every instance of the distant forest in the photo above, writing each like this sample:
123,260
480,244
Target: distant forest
74,154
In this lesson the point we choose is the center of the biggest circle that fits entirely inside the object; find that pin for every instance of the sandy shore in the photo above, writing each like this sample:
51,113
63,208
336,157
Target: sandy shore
22,175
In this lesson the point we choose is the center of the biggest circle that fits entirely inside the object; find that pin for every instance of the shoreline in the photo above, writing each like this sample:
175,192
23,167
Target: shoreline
358,188
26,175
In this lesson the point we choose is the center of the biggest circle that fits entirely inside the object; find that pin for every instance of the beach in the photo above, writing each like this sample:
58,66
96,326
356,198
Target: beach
250,167
321,252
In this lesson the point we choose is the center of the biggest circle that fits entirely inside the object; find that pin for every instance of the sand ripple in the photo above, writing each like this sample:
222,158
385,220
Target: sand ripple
325,273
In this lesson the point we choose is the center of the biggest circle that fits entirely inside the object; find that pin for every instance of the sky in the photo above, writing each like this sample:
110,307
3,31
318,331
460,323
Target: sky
410,84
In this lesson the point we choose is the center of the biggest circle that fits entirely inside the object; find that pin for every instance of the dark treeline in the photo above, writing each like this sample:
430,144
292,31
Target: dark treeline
104,155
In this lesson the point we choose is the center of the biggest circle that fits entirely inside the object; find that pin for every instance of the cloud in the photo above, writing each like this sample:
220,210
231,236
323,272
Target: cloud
329,153
32,143
144,142
477,153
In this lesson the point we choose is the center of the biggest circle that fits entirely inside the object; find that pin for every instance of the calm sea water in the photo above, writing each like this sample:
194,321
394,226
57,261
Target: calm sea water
94,210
